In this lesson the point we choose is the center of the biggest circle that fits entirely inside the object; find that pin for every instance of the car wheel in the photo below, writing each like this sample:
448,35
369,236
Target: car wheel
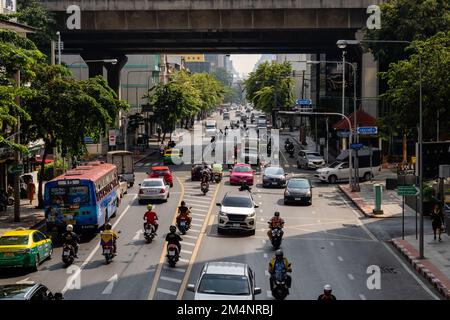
37,262
332,179
50,254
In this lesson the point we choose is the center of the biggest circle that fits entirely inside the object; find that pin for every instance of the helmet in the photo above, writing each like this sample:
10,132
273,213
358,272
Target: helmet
172,228
279,254
69,228
276,214
108,226
327,287
149,206
183,203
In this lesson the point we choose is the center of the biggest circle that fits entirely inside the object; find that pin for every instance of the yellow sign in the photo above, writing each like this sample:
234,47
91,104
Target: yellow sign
413,160
194,57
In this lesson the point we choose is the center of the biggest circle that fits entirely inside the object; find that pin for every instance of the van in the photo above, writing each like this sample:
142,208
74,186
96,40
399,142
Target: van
210,128
369,162
124,163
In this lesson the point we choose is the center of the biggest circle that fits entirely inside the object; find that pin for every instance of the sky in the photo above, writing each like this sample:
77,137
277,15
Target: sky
244,63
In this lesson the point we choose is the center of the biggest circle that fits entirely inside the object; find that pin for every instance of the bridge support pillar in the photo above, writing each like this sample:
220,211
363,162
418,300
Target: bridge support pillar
114,73
369,87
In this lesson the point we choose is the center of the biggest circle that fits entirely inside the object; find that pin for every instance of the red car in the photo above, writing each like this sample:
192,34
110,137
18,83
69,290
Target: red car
161,172
242,172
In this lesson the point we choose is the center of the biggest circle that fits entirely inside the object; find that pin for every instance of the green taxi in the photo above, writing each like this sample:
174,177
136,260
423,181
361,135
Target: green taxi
24,248
173,156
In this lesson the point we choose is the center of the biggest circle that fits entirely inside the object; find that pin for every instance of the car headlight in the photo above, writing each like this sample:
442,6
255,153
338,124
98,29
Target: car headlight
251,215
223,214
308,194
287,192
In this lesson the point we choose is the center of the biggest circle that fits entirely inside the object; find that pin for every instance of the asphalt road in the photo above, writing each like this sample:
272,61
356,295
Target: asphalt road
327,242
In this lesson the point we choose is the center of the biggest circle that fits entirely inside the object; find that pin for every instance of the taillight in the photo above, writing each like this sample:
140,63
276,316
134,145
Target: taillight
162,191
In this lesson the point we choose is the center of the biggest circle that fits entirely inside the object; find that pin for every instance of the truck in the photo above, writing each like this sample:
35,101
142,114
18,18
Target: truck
369,162
124,163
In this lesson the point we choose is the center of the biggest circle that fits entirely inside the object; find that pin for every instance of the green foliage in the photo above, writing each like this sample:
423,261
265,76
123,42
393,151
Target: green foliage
49,170
270,86
403,81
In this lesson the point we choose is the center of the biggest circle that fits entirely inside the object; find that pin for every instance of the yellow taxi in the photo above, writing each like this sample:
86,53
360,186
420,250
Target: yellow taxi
24,248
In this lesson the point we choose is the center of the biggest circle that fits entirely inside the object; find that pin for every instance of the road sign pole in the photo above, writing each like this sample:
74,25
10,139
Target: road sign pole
403,218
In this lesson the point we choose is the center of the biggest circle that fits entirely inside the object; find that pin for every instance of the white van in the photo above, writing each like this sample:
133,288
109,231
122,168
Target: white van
210,128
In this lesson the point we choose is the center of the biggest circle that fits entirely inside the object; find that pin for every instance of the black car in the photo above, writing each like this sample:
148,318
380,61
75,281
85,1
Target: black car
29,291
274,177
298,190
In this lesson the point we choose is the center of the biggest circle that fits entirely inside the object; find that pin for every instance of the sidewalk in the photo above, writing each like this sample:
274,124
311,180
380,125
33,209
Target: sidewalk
33,218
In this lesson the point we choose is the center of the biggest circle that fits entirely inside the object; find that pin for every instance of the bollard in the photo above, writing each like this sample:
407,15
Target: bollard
377,189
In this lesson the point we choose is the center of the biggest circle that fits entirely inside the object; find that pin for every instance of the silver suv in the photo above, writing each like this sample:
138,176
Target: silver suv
237,212
310,160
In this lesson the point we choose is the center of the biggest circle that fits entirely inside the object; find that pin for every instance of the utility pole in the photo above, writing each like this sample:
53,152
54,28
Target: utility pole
17,154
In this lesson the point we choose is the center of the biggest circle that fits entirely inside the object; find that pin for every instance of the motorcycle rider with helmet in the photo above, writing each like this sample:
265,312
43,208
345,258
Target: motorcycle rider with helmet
71,238
326,295
109,231
279,264
173,238
245,187
275,222
151,218
183,212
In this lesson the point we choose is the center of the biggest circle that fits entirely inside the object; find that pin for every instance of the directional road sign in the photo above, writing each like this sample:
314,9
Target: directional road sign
304,102
15,169
356,146
407,191
367,130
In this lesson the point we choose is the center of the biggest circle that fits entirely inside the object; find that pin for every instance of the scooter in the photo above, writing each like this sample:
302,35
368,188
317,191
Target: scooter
108,249
183,225
277,237
280,290
205,188
149,232
68,255
172,255
290,151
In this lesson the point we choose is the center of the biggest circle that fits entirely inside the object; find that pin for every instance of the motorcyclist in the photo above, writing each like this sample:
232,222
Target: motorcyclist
183,211
171,144
326,295
206,174
151,217
173,238
245,187
109,231
226,130
71,238
275,222
279,264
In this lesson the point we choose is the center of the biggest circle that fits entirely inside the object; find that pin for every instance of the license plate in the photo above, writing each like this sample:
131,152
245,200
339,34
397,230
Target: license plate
274,183
148,231
151,191
171,253
107,251
66,253
236,225
182,223
298,199
8,254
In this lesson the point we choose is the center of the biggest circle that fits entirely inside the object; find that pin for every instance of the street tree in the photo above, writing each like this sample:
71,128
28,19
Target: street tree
211,91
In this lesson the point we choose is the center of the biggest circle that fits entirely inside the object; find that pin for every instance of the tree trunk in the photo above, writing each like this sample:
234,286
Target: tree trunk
41,179
404,149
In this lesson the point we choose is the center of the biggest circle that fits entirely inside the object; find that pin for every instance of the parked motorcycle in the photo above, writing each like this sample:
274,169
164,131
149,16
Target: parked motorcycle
68,254
280,290
172,255
149,232
277,237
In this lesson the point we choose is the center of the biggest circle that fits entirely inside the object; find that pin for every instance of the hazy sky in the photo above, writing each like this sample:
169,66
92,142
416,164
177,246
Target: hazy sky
244,63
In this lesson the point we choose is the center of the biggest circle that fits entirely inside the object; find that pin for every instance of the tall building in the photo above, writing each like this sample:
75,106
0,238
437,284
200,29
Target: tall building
301,73
264,58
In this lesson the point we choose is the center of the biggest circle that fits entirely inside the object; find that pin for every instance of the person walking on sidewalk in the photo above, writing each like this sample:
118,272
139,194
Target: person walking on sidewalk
31,190
437,220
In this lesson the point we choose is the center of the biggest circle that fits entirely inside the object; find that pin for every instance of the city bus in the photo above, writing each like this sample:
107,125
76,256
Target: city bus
86,197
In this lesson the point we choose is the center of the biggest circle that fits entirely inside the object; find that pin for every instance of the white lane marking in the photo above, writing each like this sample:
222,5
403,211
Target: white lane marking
350,276
259,196
262,219
188,236
197,219
363,297
340,258
173,293
138,233
331,243
201,210
269,293
265,256
175,269
187,251
183,260
198,215
189,243
196,224
170,279
201,205
260,203
110,286
318,220
261,210
199,201
419,281
76,274
25,281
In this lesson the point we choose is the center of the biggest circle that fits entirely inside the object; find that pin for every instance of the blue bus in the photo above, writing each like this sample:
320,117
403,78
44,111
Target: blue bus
86,197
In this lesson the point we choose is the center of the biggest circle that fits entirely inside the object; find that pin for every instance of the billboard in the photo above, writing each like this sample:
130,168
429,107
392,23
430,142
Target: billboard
194,57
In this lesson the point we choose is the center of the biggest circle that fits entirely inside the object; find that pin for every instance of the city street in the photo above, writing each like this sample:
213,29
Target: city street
326,242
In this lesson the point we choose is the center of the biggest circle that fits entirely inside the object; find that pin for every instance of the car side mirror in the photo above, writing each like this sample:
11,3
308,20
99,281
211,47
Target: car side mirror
257,291
218,204
190,287
147,173
139,184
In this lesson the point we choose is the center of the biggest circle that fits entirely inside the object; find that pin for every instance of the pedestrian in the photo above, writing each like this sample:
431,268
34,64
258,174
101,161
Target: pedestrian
31,190
437,221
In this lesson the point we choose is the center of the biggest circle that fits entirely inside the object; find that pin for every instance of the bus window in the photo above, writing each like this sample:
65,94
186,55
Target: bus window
69,195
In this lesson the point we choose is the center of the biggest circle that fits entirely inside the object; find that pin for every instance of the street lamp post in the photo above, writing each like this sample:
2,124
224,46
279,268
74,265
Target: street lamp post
342,43
59,46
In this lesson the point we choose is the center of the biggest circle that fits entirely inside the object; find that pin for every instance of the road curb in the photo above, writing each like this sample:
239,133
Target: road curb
423,267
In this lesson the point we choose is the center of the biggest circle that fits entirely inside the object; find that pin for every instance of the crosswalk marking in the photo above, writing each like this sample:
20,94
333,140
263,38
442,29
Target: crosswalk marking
181,270
183,260
187,251
188,236
196,224
198,214
189,243
170,279
173,293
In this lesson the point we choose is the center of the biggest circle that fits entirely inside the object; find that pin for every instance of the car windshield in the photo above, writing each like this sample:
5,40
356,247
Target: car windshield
13,240
152,183
274,171
242,169
238,202
13,292
69,195
335,164
224,284
160,172
298,184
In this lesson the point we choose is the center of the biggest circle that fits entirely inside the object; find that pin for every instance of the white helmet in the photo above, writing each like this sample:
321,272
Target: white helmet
69,228
327,287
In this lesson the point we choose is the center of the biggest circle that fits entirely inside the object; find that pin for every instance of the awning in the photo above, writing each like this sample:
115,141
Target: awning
363,119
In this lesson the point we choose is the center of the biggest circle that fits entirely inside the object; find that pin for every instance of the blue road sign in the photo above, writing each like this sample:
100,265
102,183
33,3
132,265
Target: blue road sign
304,102
343,134
367,130
88,140
356,146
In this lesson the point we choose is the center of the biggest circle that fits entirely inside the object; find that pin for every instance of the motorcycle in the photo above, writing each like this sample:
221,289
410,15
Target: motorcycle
277,237
172,255
149,232
108,248
205,188
68,255
217,177
290,150
280,289
183,225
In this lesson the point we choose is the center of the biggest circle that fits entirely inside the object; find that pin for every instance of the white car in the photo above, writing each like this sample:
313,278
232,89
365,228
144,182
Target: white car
153,189
225,281
237,212
310,160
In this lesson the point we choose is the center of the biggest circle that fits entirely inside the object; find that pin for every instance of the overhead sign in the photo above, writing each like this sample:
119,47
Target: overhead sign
356,146
304,102
194,57
112,137
367,130
407,191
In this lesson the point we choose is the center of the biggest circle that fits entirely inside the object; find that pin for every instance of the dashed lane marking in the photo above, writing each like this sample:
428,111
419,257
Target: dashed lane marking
170,279
180,270
350,276
340,258
173,293
362,297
